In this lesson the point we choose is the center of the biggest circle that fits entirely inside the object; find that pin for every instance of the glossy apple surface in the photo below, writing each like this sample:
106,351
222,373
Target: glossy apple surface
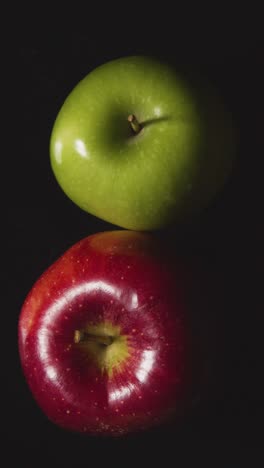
105,336
169,168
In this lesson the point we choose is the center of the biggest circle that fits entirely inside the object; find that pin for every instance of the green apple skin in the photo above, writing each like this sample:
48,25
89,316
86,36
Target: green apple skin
170,170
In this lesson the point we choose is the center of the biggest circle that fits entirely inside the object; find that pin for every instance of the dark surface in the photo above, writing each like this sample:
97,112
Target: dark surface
228,238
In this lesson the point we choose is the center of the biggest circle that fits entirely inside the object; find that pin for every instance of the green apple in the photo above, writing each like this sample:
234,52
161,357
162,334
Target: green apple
139,145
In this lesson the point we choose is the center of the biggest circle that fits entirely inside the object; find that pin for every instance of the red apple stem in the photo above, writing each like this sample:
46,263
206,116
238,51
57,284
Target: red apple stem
135,125
83,336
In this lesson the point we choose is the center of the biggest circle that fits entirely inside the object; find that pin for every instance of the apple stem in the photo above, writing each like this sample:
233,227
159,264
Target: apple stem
82,336
135,125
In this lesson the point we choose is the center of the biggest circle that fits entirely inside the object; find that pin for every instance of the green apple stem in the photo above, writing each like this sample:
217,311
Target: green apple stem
135,125
82,336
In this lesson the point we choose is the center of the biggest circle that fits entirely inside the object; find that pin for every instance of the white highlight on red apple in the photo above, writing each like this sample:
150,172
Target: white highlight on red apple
51,373
145,366
122,393
133,301
67,298
148,359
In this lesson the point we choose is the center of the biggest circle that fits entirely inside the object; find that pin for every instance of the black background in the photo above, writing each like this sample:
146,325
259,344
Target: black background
49,59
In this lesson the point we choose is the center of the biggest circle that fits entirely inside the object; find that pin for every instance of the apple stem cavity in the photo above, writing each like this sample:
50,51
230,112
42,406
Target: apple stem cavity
82,336
135,125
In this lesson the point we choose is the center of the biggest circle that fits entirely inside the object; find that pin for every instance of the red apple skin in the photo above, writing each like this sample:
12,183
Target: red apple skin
123,278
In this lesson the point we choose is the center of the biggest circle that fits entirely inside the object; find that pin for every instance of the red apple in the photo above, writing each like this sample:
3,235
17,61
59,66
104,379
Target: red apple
105,336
